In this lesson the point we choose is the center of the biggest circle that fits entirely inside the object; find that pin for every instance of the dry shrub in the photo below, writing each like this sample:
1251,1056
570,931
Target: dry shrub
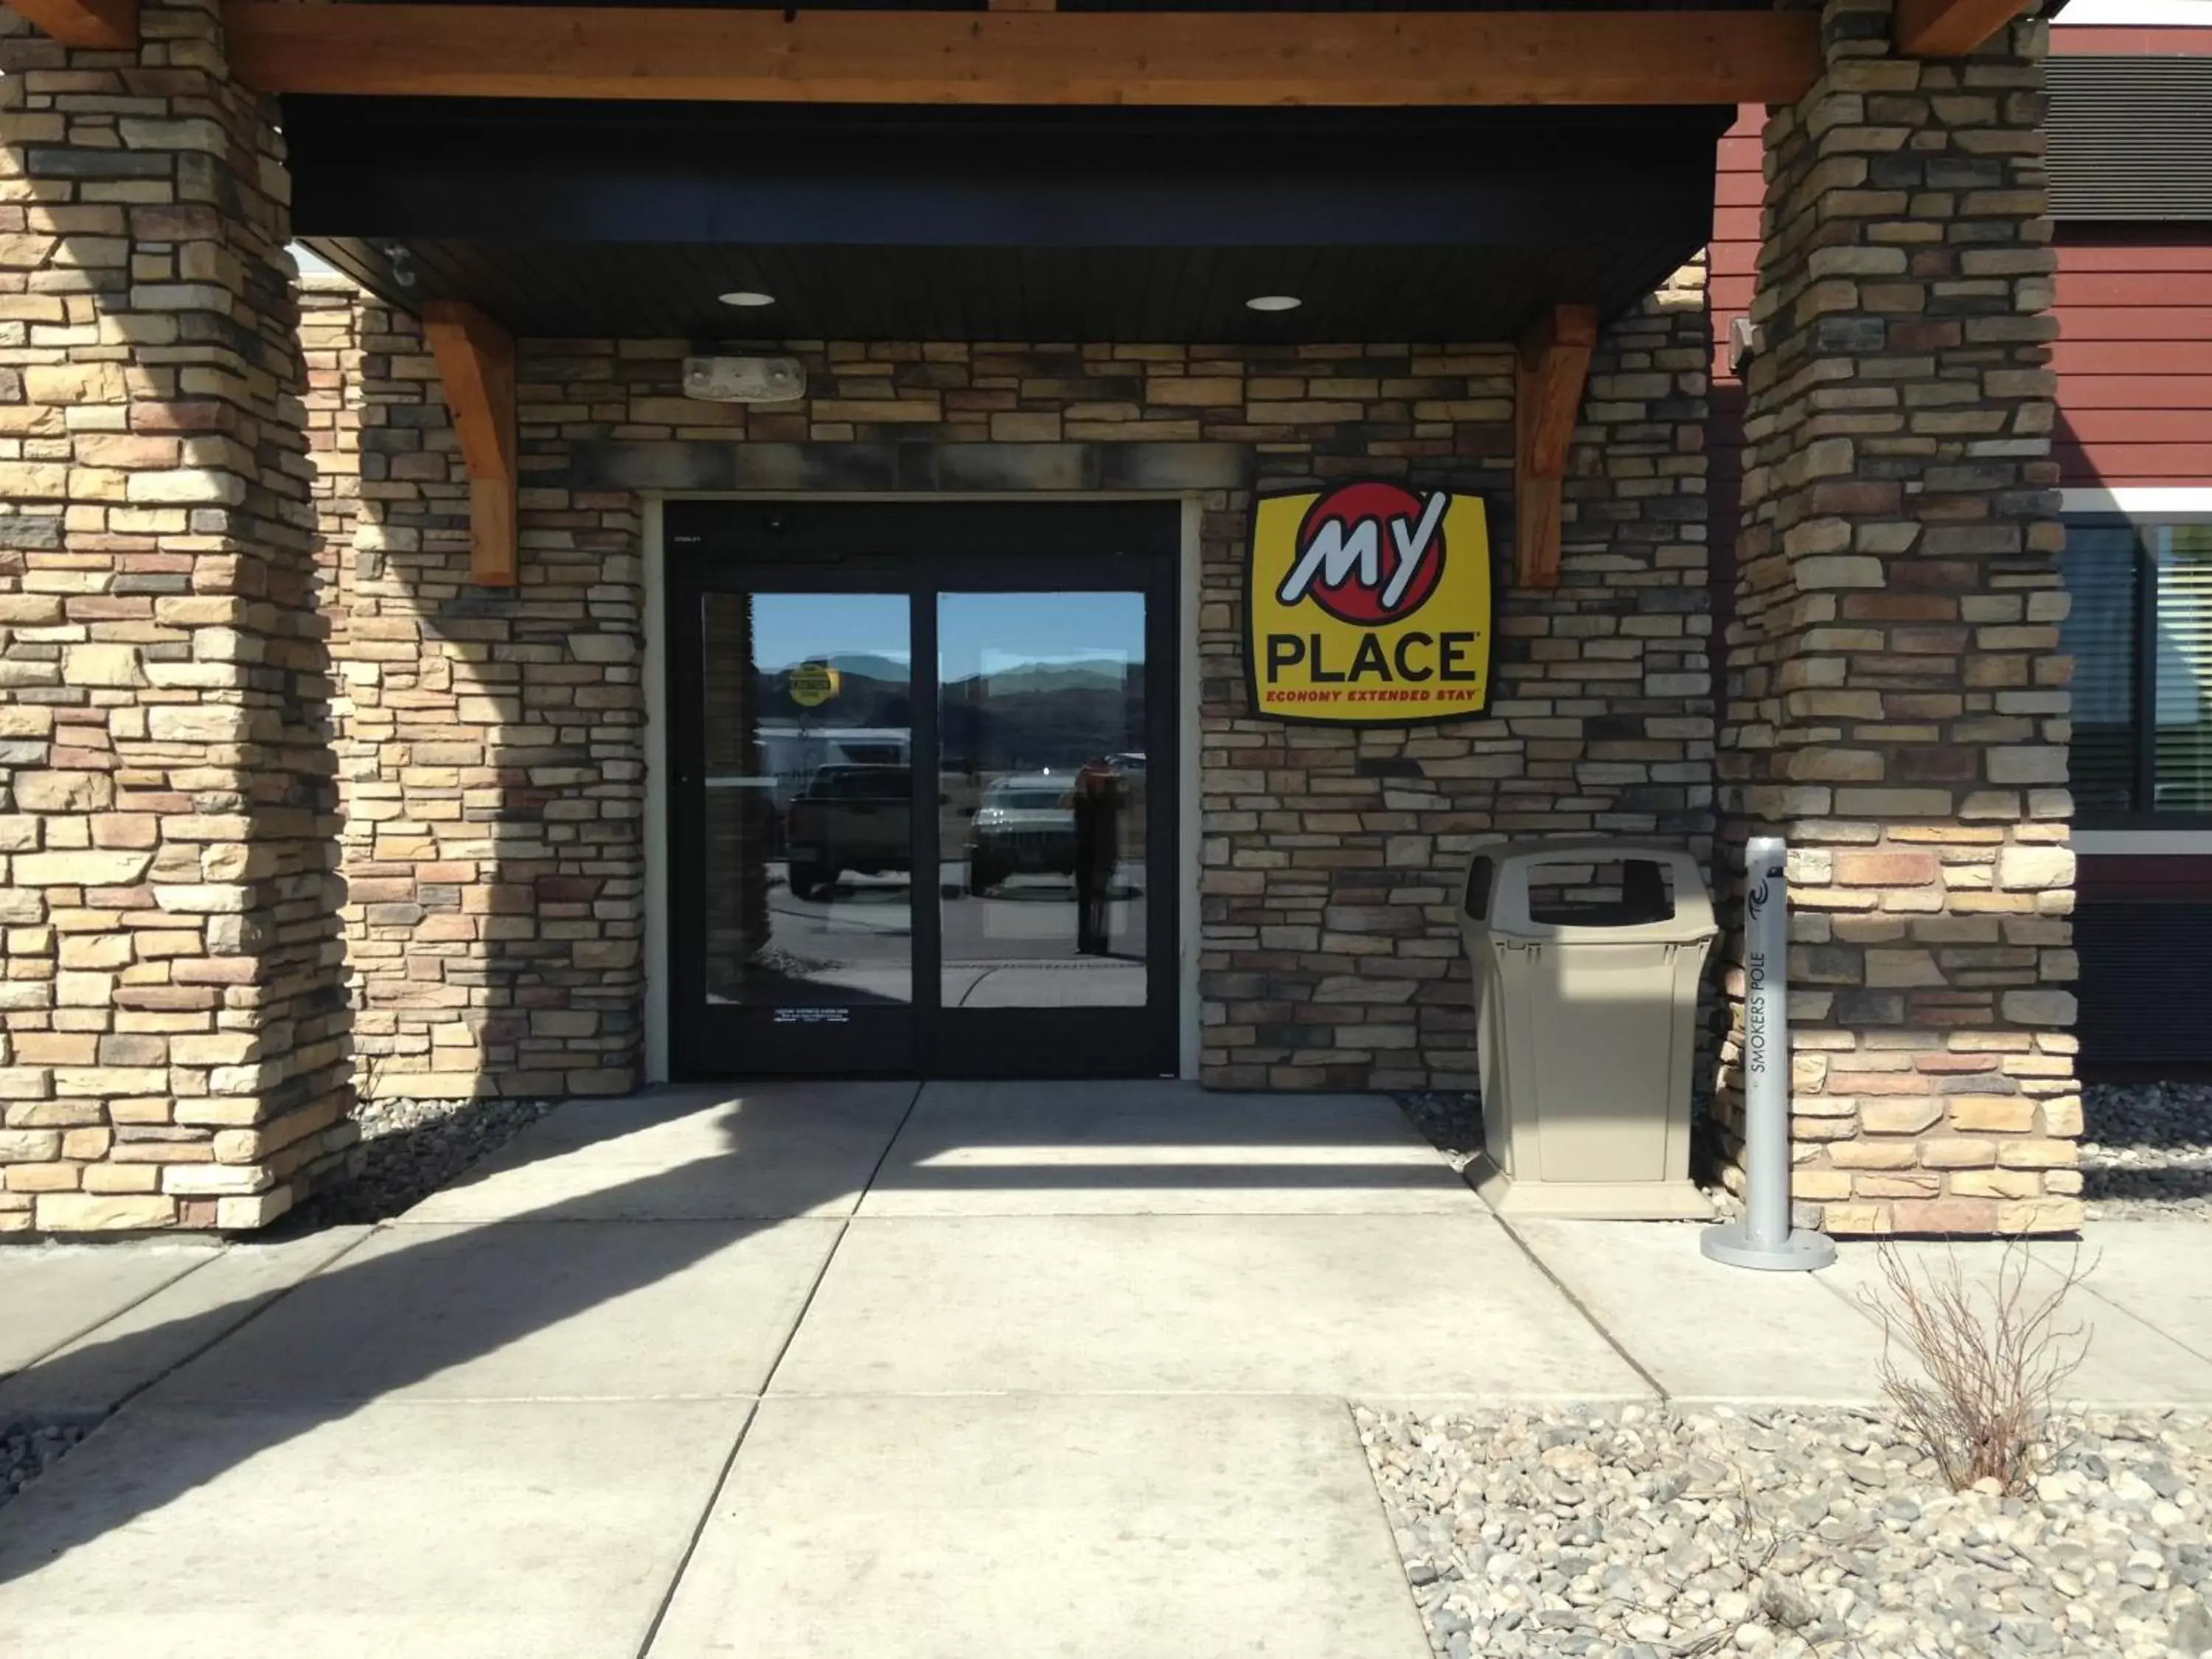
1989,1364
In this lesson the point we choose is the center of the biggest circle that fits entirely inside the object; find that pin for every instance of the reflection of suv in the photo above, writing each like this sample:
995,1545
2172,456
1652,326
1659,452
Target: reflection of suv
850,818
1023,826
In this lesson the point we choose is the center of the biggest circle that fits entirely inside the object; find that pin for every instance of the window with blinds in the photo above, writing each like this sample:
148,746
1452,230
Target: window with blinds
2140,632
2182,767
2099,634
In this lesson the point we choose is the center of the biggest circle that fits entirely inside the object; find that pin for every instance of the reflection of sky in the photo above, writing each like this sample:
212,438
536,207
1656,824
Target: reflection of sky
992,633
976,632
789,628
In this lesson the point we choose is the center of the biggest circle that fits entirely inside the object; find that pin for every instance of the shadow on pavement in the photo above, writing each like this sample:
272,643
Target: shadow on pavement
373,1299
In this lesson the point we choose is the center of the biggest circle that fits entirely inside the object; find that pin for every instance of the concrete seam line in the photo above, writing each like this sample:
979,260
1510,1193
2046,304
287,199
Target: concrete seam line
2133,1318
1850,1299
760,1400
1582,1307
713,1496
1382,1512
228,1331
143,1296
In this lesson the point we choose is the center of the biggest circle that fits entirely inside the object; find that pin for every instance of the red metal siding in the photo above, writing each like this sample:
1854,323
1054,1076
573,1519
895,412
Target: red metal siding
2133,358
2109,878
1731,268
2093,39
1732,265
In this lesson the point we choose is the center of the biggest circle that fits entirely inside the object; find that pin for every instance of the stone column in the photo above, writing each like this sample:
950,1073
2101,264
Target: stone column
174,1021
1897,706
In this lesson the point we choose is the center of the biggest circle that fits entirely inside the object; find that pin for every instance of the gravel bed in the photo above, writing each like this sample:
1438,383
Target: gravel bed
1452,1121
1638,1533
2147,1150
29,1449
408,1149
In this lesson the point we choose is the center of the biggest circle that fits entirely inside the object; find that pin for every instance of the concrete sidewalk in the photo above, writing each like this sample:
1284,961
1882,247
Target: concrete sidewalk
813,1369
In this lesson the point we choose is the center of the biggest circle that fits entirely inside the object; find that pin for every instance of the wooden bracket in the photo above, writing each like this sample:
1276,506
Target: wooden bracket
476,361
101,25
1549,370
1949,29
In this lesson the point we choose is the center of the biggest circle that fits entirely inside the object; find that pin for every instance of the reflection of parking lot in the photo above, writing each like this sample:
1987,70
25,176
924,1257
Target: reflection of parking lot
867,920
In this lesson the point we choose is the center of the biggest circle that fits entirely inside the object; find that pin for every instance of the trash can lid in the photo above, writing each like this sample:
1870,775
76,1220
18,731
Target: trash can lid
1662,897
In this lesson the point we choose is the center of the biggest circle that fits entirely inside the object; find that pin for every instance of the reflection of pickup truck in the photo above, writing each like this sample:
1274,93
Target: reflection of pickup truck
849,818
1026,826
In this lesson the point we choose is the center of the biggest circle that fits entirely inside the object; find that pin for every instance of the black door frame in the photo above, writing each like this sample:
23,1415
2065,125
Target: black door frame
923,550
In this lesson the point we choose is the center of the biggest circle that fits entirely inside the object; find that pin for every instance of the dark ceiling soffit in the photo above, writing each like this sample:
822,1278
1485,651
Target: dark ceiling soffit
1133,295
717,175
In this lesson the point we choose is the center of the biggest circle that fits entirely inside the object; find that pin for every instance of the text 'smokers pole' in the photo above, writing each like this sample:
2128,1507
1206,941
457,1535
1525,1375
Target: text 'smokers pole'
1764,1239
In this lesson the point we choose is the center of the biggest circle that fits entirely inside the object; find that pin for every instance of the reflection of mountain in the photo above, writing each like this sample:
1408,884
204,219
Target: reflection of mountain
1055,715
863,664
862,699
1050,677
1055,718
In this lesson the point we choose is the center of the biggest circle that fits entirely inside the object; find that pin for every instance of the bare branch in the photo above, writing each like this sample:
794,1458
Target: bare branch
1979,1374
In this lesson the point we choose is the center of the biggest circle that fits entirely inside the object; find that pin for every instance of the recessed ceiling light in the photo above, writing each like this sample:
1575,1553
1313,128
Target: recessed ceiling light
749,298
1273,302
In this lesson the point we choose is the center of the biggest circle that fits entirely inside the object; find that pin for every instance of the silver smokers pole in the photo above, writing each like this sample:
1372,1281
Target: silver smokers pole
1764,1238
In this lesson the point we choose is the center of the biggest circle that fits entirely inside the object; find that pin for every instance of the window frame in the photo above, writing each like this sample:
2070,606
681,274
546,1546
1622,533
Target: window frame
2144,678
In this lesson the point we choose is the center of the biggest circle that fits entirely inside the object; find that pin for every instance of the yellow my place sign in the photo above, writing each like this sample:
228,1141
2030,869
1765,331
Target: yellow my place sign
813,684
1369,603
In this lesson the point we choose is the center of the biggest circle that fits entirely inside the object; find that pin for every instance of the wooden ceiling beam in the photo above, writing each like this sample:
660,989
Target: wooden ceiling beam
476,361
1949,29
100,25
1550,371
1244,59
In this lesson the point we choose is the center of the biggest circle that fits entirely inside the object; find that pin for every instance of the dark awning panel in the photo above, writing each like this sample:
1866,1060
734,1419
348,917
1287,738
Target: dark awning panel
594,219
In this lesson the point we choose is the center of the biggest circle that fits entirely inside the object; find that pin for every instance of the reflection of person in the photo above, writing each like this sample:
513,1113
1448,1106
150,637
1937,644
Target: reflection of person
1097,802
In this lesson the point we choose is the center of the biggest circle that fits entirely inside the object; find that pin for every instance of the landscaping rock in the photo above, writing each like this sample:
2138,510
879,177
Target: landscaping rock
1641,1530
2147,1150
28,1450
408,1149
1451,1120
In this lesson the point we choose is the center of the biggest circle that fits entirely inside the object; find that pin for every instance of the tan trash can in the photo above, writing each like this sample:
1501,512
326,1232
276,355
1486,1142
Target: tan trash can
1587,957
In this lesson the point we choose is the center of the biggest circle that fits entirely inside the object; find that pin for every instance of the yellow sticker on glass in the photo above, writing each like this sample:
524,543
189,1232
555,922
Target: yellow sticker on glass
813,684
1369,603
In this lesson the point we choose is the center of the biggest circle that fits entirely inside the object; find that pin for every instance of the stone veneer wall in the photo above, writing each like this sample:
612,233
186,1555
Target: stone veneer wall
491,750
173,1030
1897,703
173,1027
490,742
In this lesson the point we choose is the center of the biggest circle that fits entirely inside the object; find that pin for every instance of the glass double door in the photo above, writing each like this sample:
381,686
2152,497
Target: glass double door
923,804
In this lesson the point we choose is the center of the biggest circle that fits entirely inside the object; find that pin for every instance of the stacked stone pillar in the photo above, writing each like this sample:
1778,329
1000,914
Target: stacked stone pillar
172,1025
1897,706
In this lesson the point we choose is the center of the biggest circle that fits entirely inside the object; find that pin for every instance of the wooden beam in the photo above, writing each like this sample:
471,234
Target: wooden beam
476,361
1949,29
1550,371
1344,59
101,25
